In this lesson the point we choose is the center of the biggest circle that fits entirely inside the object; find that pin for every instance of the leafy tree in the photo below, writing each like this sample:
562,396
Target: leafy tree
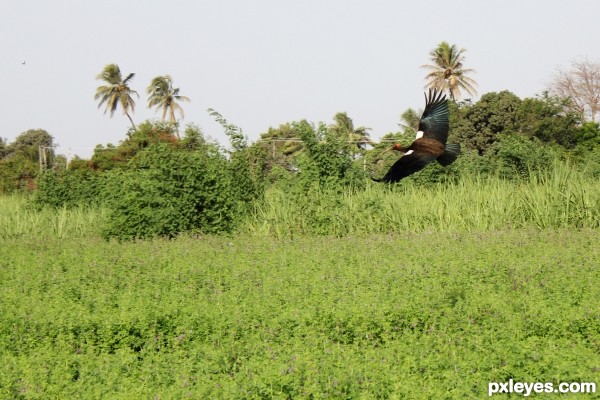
19,165
165,97
588,136
479,125
2,147
193,138
28,143
328,157
281,148
17,173
344,128
545,118
116,91
448,72
147,133
282,140
518,156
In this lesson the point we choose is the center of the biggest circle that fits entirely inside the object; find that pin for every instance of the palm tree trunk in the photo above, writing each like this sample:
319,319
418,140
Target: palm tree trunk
130,120
173,122
451,94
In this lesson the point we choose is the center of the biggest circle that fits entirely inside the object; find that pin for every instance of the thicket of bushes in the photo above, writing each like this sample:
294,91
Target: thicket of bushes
155,184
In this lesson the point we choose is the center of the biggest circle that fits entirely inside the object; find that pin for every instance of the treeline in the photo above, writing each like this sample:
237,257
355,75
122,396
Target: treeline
158,182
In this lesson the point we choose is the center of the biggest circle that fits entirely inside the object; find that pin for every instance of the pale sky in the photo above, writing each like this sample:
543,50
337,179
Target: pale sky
264,63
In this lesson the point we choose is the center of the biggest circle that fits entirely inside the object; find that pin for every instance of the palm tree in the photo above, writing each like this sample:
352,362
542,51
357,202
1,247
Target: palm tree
410,120
344,127
163,96
116,91
447,71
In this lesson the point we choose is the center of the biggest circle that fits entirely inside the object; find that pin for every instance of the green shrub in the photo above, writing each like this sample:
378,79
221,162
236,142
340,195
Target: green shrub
165,192
69,188
519,156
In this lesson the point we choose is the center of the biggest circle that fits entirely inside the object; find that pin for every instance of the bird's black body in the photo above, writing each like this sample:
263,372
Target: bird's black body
430,143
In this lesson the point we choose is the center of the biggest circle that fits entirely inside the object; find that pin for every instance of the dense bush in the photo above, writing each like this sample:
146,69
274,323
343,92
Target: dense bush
72,187
518,156
165,192
160,185
20,160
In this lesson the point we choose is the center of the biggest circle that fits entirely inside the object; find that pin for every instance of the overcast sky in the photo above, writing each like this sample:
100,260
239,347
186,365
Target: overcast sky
266,62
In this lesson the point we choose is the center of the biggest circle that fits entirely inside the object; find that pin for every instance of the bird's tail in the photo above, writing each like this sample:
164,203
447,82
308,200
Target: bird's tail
450,155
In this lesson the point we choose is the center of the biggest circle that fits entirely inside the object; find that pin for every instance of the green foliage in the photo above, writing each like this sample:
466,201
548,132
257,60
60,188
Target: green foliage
234,132
588,137
145,134
520,157
193,138
116,91
366,317
2,147
555,196
163,96
247,165
545,118
17,173
19,160
501,136
69,188
19,220
28,142
248,170
328,156
479,125
165,192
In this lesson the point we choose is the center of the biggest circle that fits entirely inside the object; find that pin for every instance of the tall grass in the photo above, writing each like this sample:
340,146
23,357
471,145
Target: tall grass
19,219
560,197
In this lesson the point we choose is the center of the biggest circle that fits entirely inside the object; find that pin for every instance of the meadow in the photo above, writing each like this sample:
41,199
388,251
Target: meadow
369,294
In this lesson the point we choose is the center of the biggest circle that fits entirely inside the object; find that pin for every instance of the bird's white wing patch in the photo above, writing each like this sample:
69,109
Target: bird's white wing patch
408,152
419,135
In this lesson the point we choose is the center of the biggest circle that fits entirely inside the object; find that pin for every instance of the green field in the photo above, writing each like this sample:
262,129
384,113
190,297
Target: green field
413,315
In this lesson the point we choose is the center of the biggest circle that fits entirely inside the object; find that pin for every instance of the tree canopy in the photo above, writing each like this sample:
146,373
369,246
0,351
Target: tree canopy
116,91
447,71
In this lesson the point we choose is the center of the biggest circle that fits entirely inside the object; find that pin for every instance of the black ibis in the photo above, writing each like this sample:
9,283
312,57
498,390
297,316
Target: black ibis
430,143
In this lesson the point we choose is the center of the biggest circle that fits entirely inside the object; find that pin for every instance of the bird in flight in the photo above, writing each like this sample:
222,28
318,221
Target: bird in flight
430,142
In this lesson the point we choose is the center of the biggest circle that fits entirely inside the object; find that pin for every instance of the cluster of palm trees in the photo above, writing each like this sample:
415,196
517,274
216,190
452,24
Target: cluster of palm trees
446,73
116,91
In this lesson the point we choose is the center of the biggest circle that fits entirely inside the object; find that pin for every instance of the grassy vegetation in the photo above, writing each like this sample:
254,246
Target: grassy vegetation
19,219
417,315
559,198
405,292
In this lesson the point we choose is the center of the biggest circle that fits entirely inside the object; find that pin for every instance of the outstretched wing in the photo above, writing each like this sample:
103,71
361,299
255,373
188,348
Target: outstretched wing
405,166
434,122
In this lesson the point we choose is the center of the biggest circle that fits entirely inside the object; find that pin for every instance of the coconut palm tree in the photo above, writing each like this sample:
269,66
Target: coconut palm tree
116,91
344,127
165,97
410,120
448,72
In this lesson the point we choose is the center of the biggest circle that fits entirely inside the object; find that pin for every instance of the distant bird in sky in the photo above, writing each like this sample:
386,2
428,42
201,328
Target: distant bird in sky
430,142
23,63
